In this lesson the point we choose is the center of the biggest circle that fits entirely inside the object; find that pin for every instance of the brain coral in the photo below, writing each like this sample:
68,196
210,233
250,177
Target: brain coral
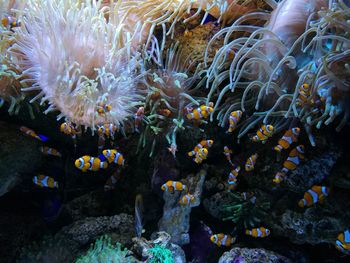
77,59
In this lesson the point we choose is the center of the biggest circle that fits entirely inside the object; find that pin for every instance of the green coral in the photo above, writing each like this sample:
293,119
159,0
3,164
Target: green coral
245,212
160,254
104,251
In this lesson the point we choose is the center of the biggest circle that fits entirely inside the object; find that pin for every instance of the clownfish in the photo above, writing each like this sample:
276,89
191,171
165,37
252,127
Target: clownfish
258,232
107,129
69,129
203,144
343,241
304,94
201,155
88,163
232,177
293,160
187,199
10,21
233,120
171,186
222,240
33,134
140,113
227,152
45,181
50,151
201,112
265,132
103,108
314,195
249,165
164,112
113,155
288,138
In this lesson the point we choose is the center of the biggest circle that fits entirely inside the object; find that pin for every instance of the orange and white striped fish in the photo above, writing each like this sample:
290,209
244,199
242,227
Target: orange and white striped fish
139,115
201,112
187,199
222,240
232,177
288,138
227,152
113,155
233,120
33,134
314,195
69,129
88,163
343,241
107,129
295,157
10,22
304,95
45,181
50,151
201,155
258,232
250,164
171,186
265,132
103,108
203,144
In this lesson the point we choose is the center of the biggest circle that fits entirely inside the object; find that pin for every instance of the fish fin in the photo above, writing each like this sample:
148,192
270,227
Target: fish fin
43,137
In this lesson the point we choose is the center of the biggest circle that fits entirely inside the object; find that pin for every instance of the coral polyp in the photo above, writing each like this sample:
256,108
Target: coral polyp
78,60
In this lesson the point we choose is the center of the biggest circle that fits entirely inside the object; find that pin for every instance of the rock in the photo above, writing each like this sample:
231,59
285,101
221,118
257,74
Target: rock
19,156
252,255
312,227
119,227
313,171
176,218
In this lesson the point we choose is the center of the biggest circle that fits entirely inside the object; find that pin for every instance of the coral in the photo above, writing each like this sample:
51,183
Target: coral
252,255
176,218
103,251
91,60
160,254
158,249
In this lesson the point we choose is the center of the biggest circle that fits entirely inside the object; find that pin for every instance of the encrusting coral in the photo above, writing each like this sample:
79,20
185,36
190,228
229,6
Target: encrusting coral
78,60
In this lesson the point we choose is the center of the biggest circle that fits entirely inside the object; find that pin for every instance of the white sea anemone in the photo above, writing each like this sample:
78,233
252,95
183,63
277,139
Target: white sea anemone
77,59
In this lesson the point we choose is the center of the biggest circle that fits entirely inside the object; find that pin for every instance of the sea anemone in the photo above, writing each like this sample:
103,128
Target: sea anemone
263,72
78,60
171,88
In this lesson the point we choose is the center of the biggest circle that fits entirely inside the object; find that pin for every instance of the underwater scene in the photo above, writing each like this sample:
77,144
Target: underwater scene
173,131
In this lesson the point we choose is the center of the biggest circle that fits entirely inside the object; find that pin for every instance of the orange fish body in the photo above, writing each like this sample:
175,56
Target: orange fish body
103,108
139,117
258,232
250,164
30,132
88,163
113,155
201,112
171,186
108,129
288,138
304,95
10,21
68,128
203,144
265,132
45,181
233,120
227,153
314,195
164,112
201,155
232,178
187,200
343,241
222,240
50,151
